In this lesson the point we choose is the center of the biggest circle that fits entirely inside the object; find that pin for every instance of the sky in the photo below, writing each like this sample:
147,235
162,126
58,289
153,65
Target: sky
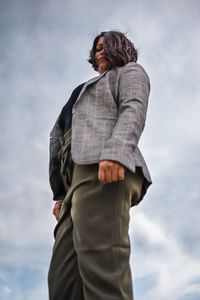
44,47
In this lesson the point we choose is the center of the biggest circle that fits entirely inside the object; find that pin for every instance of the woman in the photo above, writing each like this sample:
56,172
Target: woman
99,127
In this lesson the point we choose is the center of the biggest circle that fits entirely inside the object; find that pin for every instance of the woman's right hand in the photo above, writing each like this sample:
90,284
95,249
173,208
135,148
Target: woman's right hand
57,208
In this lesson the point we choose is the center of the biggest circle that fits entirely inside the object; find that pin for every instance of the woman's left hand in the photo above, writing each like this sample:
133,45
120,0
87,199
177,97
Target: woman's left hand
57,208
110,171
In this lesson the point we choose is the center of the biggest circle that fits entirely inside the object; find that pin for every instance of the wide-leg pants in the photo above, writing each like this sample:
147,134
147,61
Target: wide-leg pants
91,253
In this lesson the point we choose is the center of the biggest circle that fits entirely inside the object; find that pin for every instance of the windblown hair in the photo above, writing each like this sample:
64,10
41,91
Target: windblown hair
118,49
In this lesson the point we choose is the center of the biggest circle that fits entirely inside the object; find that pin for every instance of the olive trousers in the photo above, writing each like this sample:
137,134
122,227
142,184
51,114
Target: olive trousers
90,259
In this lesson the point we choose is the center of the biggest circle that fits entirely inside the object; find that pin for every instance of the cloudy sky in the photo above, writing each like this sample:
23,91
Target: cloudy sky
44,46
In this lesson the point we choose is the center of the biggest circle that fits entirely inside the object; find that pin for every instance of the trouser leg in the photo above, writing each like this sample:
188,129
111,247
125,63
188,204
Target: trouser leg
64,280
100,215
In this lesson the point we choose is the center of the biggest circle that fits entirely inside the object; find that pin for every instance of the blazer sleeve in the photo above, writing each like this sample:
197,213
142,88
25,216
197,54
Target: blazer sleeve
55,176
133,94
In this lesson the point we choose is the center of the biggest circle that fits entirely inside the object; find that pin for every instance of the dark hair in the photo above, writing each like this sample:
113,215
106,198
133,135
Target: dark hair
118,49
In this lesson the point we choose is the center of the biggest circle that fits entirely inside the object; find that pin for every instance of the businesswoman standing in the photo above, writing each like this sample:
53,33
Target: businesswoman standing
97,173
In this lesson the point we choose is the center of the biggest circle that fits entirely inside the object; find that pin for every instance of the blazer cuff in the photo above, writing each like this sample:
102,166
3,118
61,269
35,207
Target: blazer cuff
58,198
114,156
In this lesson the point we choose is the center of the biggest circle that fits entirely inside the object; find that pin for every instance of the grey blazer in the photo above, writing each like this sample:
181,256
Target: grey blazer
109,117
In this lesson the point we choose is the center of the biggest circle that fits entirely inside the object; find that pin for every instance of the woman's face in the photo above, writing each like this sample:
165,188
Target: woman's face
100,58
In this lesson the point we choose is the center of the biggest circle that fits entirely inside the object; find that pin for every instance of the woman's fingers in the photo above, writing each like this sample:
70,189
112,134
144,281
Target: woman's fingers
101,174
115,173
121,173
110,171
56,210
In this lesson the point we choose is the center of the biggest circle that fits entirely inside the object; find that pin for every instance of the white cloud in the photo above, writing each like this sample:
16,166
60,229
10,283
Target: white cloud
39,292
161,254
7,290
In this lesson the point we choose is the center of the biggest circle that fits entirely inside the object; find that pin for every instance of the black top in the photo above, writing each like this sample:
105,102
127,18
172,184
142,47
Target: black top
66,113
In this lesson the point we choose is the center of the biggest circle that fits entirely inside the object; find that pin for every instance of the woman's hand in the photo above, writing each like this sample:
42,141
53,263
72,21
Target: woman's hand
110,171
57,208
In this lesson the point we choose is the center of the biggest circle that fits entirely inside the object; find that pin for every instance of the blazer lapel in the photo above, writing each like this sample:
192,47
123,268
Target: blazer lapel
89,82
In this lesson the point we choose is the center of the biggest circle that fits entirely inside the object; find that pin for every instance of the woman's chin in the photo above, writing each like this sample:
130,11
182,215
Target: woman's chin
102,67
